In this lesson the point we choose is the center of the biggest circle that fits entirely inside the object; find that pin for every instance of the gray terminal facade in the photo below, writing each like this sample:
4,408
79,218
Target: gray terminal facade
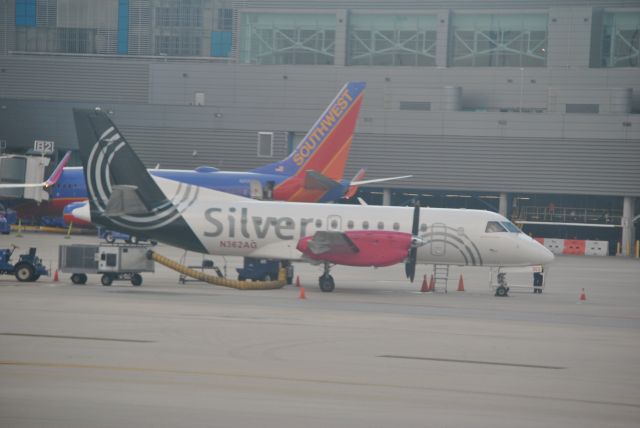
530,107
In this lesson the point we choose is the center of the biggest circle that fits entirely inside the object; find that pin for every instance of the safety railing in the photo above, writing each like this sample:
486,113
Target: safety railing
568,215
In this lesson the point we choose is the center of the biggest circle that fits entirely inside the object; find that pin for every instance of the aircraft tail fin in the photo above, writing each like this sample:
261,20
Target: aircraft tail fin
57,172
115,175
325,148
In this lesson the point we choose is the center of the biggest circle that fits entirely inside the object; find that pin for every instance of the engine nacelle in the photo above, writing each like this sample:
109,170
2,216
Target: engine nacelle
371,248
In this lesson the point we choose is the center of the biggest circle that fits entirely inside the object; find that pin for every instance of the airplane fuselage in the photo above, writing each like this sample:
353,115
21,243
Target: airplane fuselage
228,225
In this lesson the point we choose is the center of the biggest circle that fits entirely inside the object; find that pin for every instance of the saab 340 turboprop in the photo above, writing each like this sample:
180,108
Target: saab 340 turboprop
125,197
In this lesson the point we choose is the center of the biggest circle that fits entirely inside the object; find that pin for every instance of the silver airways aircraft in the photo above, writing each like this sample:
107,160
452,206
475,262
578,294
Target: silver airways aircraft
123,196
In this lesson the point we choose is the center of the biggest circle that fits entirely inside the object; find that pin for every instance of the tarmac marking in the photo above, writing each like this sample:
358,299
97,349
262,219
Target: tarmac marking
51,336
490,363
310,380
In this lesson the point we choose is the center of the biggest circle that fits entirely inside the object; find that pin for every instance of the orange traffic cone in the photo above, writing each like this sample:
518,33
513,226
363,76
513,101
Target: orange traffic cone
461,284
425,285
432,284
298,281
583,295
55,276
302,295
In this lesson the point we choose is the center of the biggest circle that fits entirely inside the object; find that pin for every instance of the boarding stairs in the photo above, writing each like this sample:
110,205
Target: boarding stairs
440,277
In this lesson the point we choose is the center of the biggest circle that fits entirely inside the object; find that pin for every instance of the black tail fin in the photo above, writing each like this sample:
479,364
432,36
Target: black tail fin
108,160
112,169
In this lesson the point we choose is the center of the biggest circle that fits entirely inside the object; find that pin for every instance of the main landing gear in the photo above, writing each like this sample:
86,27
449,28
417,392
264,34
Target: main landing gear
326,281
502,290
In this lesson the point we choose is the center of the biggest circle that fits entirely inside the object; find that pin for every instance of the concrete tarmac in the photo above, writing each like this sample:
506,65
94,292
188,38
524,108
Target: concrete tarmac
374,353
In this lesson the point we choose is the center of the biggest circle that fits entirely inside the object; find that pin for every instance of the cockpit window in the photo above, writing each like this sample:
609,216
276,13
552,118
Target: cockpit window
511,227
494,226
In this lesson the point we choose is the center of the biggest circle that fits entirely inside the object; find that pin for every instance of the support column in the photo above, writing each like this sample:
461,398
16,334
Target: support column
503,206
386,197
628,230
340,50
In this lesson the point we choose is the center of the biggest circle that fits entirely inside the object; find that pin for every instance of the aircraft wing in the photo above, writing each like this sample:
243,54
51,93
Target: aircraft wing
334,242
379,180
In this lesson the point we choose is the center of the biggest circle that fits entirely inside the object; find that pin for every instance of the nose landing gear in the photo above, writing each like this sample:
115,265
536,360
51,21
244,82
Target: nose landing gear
325,280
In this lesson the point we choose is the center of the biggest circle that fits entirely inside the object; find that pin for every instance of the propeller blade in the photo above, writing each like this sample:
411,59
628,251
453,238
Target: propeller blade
416,219
410,265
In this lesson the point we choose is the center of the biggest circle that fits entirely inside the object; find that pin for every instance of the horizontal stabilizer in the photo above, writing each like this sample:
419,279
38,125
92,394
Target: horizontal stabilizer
125,200
315,181
334,242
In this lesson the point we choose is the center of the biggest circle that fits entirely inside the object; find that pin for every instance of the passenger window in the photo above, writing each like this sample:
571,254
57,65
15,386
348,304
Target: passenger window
423,227
350,224
396,226
318,223
494,226
365,225
380,225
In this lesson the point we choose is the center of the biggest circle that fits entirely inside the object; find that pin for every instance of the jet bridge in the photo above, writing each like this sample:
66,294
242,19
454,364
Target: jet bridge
19,169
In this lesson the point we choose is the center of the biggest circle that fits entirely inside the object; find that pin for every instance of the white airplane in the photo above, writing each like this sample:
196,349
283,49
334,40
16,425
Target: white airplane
123,196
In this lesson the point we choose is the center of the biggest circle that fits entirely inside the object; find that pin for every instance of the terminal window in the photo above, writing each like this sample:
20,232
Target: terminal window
621,39
397,40
287,38
496,40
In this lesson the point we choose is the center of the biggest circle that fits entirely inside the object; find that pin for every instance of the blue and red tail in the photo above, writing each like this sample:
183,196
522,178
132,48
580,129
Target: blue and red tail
325,148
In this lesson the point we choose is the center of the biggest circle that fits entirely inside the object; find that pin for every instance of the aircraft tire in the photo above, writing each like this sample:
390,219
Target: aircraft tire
501,291
327,285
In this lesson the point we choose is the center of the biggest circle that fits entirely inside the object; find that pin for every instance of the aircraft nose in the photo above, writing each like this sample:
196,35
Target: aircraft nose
543,254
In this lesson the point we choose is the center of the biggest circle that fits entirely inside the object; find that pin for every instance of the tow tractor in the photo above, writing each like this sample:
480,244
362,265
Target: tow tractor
28,269
264,270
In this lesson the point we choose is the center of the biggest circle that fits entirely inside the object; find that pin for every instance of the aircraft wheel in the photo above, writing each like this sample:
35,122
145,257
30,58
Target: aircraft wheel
24,272
501,291
136,279
106,280
326,283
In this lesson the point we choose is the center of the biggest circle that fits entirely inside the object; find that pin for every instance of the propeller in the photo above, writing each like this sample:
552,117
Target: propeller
410,264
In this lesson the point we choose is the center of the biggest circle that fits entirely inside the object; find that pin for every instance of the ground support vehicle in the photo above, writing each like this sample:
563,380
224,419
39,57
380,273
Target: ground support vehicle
28,268
524,279
264,270
117,262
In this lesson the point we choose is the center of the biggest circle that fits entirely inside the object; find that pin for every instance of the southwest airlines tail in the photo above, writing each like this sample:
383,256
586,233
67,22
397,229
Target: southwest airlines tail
122,194
325,148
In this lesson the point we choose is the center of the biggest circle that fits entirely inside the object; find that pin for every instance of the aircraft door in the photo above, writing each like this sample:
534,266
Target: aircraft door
438,239
334,223
268,190
255,189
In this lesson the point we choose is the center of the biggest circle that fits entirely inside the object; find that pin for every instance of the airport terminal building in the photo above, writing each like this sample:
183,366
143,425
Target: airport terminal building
528,107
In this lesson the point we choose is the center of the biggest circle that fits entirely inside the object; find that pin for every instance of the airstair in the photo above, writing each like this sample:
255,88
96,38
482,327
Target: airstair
440,277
